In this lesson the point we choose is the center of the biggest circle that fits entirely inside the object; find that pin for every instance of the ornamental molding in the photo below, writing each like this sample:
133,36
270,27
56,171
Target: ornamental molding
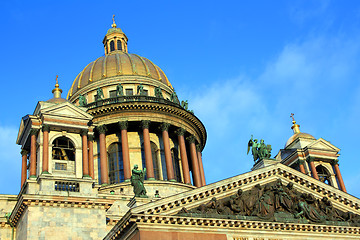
26,201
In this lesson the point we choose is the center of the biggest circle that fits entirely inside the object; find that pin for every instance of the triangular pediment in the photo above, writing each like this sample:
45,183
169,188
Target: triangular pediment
323,145
265,178
65,109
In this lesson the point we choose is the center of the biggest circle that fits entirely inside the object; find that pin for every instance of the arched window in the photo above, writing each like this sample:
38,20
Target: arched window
116,167
119,45
323,174
175,160
63,149
112,46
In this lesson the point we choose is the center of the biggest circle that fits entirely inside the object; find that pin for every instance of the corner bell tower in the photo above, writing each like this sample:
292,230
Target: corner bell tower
115,39
314,157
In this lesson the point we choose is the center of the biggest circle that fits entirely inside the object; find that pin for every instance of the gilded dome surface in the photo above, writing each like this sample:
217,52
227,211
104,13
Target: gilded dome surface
117,63
298,135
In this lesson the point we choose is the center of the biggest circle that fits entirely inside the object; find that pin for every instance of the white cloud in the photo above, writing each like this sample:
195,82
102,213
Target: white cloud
313,78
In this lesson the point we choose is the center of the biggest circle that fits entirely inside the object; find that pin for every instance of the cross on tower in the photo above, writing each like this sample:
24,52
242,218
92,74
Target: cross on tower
292,116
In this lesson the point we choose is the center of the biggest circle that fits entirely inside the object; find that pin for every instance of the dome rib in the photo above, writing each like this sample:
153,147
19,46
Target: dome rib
146,67
82,73
104,67
72,86
133,69
157,71
92,70
118,64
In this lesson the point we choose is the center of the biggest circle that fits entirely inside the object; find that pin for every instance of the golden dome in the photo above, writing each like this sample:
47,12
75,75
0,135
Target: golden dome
298,135
117,63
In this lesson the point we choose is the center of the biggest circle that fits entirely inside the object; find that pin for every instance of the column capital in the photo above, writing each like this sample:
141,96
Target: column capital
101,129
335,162
164,126
34,131
45,128
301,161
123,125
198,148
91,137
310,159
84,132
180,131
191,139
24,152
145,124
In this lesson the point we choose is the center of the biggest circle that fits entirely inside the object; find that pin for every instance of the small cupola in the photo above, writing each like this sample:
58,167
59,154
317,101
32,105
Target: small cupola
115,40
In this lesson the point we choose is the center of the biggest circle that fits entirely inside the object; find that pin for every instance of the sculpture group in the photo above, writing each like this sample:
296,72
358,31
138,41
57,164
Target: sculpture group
258,149
274,202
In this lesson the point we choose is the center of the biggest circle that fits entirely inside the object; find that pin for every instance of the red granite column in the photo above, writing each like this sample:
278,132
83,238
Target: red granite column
33,134
45,162
103,156
168,160
91,156
125,150
24,154
312,168
301,166
184,160
85,156
147,149
194,162
201,167
335,163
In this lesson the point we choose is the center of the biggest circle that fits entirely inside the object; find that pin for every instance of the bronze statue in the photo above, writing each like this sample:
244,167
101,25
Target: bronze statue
140,90
158,92
259,150
137,181
174,97
82,100
99,94
119,90
184,104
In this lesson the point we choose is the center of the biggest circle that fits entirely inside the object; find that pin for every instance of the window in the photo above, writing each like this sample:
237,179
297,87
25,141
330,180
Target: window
119,45
112,46
112,94
323,174
63,149
129,92
146,92
116,167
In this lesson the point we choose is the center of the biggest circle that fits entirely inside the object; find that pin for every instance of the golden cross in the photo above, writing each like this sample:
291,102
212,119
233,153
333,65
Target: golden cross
56,79
113,19
292,116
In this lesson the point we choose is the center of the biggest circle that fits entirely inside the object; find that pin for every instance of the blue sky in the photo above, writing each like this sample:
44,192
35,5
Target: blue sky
244,66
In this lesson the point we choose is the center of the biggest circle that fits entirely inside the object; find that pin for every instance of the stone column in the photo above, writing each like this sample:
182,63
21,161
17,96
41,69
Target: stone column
45,162
335,163
103,155
125,150
168,159
194,161
91,156
24,154
201,167
147,150
33,133
85,156
312,168
301,166
184,160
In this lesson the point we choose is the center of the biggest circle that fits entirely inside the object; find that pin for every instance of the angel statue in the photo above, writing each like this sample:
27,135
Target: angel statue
253,144
259,149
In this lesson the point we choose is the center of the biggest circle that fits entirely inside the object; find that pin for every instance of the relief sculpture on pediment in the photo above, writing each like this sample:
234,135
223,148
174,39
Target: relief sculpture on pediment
274,202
